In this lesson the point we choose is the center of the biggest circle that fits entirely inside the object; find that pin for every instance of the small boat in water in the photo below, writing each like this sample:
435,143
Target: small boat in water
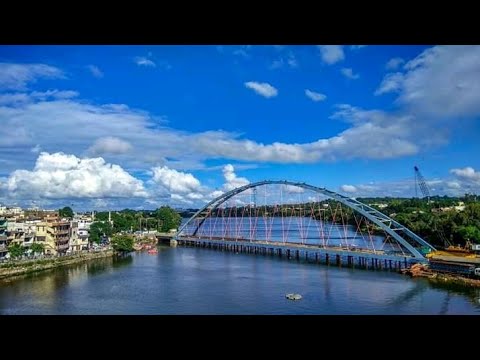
293,296
153,251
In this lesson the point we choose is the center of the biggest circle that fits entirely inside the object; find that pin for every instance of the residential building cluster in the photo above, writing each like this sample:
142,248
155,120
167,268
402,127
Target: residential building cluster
59,236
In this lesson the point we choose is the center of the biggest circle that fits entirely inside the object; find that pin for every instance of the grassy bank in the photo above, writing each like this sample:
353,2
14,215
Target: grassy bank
27,267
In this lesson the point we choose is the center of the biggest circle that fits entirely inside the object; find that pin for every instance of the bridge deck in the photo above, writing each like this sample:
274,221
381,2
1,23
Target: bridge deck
351,255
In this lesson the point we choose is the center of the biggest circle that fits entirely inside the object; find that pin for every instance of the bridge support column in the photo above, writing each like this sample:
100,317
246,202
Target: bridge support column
327,259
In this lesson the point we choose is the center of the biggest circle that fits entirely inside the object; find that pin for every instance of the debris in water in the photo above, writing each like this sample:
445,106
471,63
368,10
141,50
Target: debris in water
293,296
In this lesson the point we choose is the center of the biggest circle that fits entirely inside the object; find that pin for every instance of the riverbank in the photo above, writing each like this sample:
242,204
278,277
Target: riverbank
27,267
419,270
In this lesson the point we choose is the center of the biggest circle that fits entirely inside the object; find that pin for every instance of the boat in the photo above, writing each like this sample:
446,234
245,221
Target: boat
293,296
153,251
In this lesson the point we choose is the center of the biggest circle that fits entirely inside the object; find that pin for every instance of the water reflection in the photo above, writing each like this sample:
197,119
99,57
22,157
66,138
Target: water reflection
198,281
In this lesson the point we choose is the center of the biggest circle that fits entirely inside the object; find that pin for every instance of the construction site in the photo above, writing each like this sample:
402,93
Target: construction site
450,259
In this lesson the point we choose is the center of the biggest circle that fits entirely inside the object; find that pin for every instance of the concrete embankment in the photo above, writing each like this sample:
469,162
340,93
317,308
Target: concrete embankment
27,267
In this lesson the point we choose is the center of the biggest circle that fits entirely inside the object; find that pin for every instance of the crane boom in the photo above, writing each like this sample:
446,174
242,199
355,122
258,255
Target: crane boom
420,182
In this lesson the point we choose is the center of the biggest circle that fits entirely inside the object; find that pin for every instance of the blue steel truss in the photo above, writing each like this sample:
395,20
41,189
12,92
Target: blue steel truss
396,230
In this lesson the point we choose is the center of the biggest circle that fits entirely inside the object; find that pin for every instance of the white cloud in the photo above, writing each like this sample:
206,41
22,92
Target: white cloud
232,181
60,175
290,61
391,82
467,174
331,54
110,145
183,187
143,61
16,99
454,184
315,96
95,71
357,47
466,180
17,76
348,72
293,189
241,52
348,188
175,181
56,94
443,82
36,149
394,63
263,89
276,64
76,125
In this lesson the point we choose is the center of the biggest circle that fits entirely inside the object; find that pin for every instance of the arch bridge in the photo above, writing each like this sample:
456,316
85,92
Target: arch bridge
296,219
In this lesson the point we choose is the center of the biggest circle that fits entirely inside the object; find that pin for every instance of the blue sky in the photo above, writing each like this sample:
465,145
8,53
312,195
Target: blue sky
140,126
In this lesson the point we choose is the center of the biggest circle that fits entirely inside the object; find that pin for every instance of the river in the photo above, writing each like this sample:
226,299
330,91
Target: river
200,281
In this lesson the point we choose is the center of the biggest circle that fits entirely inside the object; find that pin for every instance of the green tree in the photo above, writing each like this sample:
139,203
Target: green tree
99,229
66,212
168,217
37,248
469,233
16,250
122,243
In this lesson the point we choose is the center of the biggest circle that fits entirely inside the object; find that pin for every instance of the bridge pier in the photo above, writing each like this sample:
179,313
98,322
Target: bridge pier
365,260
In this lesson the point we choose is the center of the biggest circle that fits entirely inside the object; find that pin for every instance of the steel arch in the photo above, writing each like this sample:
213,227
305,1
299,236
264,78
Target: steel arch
391,227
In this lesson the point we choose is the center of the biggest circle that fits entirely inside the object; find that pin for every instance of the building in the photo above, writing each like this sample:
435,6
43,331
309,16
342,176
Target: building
58,237
78,237
3,238
10,211
53,233
21,232
41,234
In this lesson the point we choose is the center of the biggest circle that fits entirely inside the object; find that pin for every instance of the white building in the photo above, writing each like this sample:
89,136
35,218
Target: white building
79,233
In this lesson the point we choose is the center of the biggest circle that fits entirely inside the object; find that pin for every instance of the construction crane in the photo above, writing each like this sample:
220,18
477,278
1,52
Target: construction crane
420,182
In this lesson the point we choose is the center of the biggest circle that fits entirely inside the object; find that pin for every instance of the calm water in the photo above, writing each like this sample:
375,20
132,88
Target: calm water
199,281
